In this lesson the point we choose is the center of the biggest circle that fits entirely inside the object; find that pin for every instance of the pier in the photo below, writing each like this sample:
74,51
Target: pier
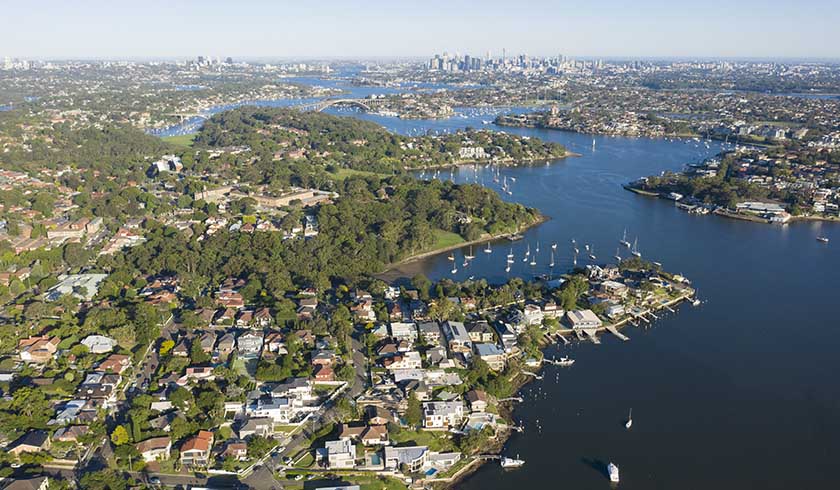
611,329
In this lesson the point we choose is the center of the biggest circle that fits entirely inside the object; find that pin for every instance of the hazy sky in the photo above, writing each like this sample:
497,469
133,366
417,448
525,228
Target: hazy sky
328,28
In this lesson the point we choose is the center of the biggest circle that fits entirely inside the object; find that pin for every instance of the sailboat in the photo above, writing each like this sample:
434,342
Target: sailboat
635,250
538,247
507,267
527,253
510,254
617,255
470,256
454,269
592,253
593,143
554,246
451,257
487,249
551,264
623,240
629,422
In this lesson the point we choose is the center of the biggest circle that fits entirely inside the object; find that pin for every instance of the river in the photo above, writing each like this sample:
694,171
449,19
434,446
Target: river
740,392
737,393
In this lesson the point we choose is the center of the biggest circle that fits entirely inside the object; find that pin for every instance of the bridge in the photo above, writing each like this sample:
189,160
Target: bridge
363,104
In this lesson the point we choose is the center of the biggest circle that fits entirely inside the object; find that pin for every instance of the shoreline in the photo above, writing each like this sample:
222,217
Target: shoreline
506,409
507,162
391,269
741,217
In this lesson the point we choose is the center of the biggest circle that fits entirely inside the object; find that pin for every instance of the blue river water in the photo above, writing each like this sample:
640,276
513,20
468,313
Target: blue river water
740,392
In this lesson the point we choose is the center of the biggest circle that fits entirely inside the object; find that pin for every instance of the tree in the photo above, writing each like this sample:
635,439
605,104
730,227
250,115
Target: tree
259,446
414,412
197,354
119,436
166,346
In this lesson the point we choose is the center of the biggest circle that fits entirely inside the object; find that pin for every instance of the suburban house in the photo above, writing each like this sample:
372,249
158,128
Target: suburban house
338,454
404,331
195,451
31,442
38,350
440,415
430,332
406,360
115,363
99,344
260,426
457,338
249,344
154,449
237,450
37,483
481,331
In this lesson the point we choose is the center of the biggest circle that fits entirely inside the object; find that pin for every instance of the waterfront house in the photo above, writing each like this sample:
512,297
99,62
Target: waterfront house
413,457
583,319
439,415
477,399
492,355
533,315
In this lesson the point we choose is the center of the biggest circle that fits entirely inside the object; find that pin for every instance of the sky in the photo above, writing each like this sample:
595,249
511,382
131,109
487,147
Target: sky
59,29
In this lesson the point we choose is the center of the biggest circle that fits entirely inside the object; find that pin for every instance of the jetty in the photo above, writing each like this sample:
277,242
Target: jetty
611,329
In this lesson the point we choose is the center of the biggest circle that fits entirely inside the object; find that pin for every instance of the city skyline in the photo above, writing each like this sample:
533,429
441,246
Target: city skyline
650,29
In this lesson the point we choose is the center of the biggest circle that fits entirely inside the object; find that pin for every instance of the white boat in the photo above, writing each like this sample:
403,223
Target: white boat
487,249
551,264
592,253
533,262
617,255
564,361
623,240
613,471
507,269
554,246
451,257
635,250
510,254
538,247
506,462
822,239
470,256
454,270
629,422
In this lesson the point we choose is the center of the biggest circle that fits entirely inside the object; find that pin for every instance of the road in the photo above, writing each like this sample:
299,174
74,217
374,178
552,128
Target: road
360,364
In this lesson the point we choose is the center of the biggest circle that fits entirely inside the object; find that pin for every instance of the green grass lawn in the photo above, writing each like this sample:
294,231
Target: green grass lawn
343,173
437,441
182,140
445,239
